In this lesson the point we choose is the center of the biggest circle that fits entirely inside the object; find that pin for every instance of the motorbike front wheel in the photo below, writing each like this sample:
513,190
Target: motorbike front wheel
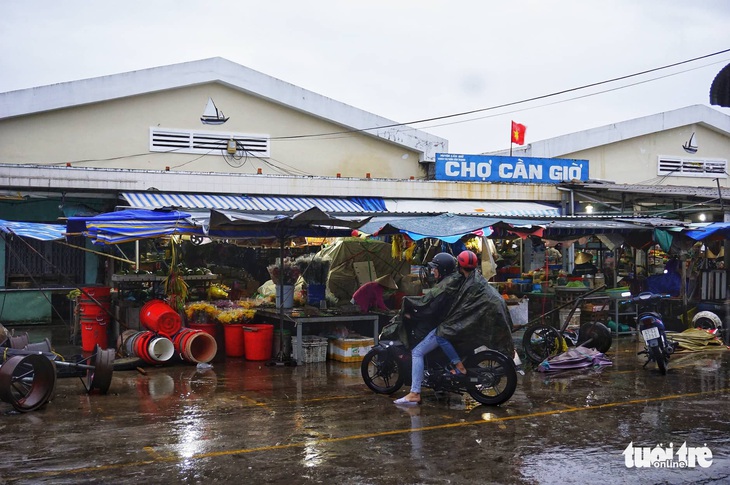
657,354
540,342
381,371
492,377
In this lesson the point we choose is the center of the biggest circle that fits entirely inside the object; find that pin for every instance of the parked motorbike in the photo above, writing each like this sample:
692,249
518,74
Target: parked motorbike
491,376
657,347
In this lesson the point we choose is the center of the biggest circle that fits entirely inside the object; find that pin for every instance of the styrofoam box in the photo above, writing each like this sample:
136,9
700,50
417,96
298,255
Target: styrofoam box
349,349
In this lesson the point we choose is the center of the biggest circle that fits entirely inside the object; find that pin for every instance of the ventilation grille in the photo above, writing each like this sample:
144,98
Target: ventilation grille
681,167
202,142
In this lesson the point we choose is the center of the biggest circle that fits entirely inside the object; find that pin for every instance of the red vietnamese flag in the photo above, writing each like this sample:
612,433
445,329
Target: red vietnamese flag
518,133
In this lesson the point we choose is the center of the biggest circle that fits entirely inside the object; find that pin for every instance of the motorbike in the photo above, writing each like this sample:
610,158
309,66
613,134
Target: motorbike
491,376
657,347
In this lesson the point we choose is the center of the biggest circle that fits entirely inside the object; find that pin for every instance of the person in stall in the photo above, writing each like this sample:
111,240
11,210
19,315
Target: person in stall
370,295
554,255
584,265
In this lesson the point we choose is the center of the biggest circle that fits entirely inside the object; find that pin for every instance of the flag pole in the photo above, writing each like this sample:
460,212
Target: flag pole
510,139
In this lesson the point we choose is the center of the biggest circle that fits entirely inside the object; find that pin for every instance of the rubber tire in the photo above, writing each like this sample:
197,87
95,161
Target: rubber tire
707,321
658,356
547,343
598,333
384,367
494,369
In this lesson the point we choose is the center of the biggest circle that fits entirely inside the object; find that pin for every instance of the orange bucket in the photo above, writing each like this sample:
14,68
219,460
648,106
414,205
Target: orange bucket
258,340
159,317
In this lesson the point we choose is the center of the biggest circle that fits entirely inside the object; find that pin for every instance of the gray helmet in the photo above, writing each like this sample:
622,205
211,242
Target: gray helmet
445,263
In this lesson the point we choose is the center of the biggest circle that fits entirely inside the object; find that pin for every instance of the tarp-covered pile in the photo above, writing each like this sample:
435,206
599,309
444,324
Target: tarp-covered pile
575,358
696,339
343,281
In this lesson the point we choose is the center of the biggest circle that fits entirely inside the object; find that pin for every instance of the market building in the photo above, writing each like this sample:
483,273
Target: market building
213,134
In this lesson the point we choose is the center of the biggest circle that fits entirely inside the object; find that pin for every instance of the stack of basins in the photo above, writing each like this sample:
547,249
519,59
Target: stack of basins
165,337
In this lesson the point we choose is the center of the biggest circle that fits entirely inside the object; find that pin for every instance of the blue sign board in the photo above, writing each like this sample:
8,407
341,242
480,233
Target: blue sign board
485,168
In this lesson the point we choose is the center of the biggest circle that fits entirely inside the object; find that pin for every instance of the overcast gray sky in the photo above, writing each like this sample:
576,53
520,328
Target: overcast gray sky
404,60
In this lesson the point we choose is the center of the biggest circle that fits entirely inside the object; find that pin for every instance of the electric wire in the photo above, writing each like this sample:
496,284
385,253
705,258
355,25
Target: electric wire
407,126
512,103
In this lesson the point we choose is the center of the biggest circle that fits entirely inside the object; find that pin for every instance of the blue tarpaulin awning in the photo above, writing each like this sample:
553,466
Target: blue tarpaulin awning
134,224
34,230
720,230
446,227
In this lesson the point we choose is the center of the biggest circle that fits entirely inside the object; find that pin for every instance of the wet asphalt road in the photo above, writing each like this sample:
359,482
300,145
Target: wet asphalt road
318,423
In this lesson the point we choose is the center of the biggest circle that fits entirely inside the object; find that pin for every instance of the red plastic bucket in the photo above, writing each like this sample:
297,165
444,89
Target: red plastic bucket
93,333
92,310
235,346
258,341
195,345
209,328
159,317
201,347
95,292
140,345
95,301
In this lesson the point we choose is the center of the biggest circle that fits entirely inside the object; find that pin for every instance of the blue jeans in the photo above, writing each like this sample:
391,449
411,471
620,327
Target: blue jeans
429,343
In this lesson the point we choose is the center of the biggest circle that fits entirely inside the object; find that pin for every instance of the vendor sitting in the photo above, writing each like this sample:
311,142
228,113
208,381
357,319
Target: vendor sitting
370,295
584,264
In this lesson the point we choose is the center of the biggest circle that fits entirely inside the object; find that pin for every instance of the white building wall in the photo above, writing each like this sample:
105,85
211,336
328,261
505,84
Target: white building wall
115,134
634,160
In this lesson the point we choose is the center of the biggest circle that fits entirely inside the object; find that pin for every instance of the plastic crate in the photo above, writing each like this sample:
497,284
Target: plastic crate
314,349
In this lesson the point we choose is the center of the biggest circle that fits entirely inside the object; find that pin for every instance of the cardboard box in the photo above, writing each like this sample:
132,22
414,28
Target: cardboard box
349,349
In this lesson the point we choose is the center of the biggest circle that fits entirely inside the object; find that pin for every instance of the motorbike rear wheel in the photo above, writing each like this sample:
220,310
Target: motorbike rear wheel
492,377
381,371
540,342
657,354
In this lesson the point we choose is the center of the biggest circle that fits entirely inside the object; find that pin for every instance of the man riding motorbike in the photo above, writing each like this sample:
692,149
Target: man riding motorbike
476,313
423,313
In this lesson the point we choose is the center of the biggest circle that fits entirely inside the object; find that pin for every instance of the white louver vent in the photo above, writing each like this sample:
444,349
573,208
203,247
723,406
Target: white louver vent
683,167
204,142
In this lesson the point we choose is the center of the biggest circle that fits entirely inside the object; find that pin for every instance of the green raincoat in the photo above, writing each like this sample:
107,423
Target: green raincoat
478,316
421,314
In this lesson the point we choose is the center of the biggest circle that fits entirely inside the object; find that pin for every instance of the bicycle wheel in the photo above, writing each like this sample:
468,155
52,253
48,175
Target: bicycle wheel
492,377
541,342
381,371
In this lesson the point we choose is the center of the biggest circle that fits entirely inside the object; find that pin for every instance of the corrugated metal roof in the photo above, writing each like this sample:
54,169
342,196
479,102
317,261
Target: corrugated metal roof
153,200
654,190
